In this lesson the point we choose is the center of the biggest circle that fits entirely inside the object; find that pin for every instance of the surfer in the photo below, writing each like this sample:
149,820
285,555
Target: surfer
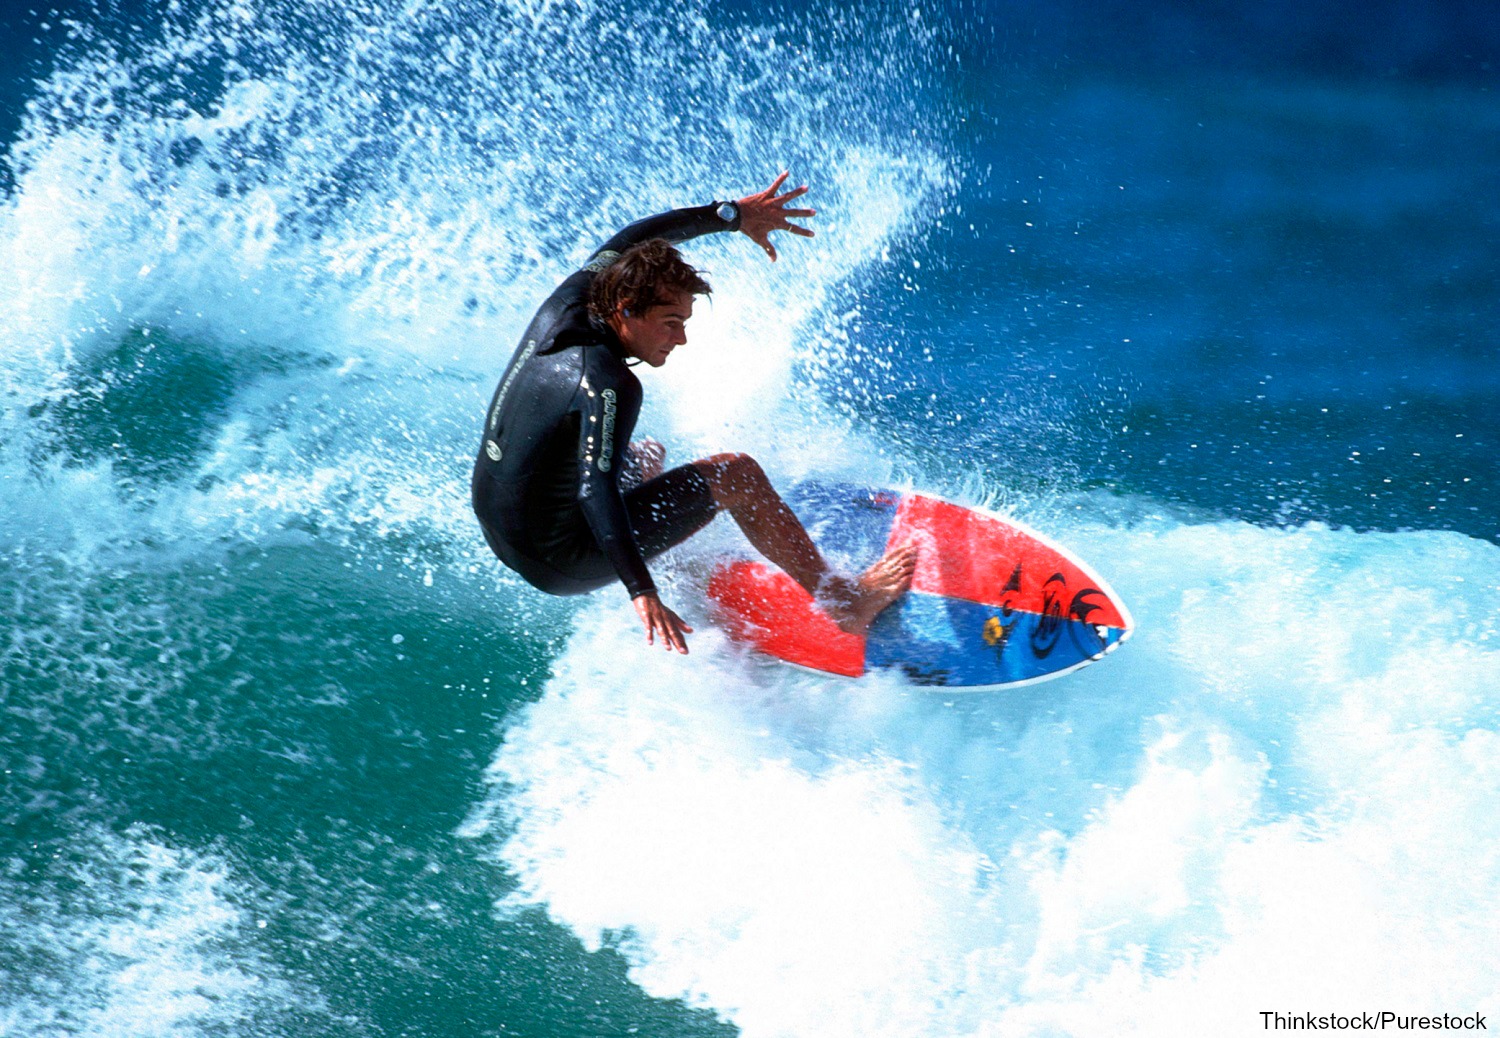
557,499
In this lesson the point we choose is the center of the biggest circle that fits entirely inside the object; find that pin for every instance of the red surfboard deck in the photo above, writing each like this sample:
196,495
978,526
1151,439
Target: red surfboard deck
992,603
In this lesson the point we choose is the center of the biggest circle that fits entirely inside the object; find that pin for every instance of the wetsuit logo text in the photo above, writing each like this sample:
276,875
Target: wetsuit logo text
510,376
607,444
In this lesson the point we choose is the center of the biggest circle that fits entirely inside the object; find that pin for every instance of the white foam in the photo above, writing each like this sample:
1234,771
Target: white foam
144,940
1275,798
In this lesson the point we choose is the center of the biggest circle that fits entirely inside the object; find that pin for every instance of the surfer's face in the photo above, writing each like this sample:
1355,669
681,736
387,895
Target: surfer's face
653,335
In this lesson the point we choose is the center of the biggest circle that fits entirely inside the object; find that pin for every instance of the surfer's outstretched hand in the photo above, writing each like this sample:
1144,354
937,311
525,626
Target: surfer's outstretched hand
762,213
661,620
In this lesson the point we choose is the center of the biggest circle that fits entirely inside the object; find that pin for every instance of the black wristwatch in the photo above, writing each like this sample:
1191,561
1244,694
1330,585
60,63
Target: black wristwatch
729,212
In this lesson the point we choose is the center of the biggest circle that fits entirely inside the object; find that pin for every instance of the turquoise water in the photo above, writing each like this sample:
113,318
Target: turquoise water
1209,298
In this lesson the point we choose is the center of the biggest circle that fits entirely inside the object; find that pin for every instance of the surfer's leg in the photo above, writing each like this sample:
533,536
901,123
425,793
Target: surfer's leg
739,486
667,510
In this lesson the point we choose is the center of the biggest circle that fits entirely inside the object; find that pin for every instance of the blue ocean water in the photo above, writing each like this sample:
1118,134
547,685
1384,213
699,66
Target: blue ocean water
1205,292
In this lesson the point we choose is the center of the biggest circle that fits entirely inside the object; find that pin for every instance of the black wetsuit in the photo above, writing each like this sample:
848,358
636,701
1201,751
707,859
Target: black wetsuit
546,483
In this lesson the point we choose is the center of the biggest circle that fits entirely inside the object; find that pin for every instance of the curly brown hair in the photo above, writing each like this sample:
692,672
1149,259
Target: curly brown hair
645,275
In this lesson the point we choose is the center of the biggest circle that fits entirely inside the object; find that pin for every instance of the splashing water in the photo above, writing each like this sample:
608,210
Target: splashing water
267,260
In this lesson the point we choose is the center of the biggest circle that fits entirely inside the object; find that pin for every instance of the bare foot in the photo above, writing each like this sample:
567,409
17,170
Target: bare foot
855,605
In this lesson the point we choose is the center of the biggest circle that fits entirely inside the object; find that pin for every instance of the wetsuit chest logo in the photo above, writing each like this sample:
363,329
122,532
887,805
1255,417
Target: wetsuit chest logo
607,446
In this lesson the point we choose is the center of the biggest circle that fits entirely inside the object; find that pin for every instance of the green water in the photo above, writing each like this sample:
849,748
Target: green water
262,707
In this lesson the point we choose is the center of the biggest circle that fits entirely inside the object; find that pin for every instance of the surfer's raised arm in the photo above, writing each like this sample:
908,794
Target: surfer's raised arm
674,227
547,483
755,216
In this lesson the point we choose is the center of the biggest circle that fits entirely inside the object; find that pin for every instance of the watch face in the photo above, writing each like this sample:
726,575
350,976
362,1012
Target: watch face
728,211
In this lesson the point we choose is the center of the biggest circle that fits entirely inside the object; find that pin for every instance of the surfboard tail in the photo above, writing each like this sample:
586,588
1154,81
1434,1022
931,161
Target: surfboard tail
763,606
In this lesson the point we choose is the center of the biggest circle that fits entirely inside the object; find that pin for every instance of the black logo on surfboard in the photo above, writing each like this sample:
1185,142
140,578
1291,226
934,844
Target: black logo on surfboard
1047,626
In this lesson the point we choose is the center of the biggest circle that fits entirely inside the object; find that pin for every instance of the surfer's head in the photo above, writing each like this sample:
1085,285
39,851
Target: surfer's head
646,296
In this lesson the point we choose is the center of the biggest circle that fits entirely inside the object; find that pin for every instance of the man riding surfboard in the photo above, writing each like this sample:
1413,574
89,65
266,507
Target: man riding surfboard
547,484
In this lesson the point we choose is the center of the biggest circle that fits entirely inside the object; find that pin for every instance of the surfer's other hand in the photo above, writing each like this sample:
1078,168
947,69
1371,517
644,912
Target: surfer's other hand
661,620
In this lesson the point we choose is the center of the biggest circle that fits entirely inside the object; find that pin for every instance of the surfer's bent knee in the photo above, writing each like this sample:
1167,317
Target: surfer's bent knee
732,477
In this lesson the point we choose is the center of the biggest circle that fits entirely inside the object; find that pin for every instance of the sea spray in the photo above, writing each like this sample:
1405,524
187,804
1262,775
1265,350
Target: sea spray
278,189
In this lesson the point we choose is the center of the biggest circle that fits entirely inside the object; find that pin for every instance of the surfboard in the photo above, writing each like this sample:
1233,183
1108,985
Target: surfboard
993,604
